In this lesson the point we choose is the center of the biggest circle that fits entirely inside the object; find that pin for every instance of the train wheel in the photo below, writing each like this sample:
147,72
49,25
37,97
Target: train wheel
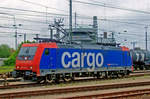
67,79
72,77
98,75
49,79
106,75
122,74
115,75
57,79
40,80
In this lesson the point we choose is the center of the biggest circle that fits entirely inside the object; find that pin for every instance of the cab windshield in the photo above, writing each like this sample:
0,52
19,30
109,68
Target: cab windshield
27,53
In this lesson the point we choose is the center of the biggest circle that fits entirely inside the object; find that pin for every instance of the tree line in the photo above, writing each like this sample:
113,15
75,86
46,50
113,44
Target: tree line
5,51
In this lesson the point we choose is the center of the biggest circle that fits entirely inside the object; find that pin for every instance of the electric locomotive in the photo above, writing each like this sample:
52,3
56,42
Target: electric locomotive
53,61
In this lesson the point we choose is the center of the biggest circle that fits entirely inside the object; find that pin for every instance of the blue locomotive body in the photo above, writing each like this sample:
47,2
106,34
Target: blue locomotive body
69,60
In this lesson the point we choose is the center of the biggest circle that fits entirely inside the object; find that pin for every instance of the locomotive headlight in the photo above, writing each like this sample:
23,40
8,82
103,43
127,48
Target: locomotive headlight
30,67
17,67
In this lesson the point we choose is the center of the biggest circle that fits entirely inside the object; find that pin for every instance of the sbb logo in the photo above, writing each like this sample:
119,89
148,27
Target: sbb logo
77,59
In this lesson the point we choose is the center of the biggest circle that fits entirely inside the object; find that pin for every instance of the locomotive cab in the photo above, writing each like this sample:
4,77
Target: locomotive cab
26,55
28,60
25,66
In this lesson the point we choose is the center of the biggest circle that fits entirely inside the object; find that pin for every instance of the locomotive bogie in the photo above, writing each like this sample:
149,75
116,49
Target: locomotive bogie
71,76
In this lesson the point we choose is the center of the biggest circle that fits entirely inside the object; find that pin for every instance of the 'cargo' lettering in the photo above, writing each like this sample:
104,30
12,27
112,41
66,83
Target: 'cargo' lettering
77,59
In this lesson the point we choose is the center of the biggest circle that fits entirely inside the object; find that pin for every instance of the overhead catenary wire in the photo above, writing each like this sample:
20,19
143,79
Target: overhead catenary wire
126,34
34,3
35,15
32,11
132,23
41,22
65,15
11,32
22,19
18,28
109,6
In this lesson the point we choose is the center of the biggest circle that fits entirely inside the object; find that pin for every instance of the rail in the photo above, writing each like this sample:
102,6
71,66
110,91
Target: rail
73,89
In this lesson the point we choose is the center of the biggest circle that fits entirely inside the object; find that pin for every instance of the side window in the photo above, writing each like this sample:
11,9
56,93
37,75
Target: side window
47,51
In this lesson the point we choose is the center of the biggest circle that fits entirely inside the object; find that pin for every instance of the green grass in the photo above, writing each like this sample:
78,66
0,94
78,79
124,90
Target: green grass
5,69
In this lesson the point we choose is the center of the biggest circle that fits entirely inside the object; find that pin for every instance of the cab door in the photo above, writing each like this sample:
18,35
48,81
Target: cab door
124,60
48,59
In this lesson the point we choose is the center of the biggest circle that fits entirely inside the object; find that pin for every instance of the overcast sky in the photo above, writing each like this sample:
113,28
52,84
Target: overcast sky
37,21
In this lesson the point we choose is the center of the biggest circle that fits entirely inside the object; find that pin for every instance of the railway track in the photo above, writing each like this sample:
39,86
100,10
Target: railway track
20,86
116,95
75,89
14,86
141,71
10,80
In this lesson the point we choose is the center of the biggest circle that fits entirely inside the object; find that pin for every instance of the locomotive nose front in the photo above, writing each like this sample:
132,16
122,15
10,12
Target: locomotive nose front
25,63
25,58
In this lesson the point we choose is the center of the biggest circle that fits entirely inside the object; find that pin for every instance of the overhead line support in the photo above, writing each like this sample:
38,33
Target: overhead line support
70,21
